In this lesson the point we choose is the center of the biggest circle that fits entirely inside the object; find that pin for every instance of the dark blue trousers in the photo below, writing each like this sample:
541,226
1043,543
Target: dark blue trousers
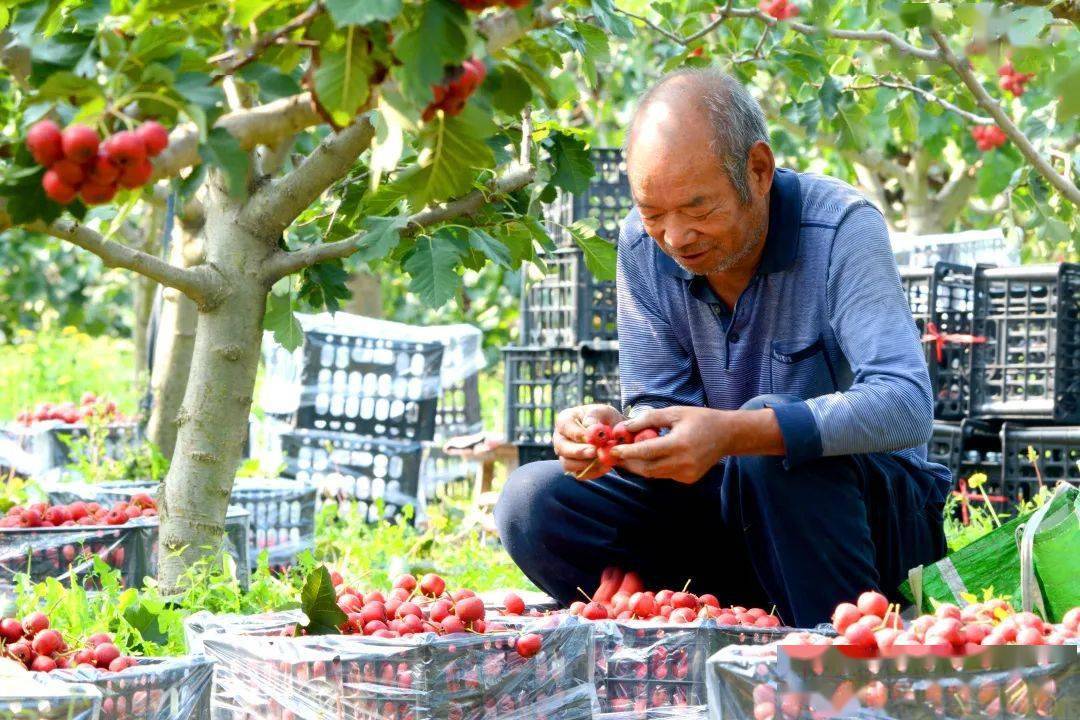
751,532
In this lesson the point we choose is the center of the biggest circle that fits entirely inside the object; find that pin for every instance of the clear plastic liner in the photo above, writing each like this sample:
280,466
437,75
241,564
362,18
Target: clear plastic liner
28,695
281,512
154,689
273,624
132,548
818,682
44,448
456,677
462,356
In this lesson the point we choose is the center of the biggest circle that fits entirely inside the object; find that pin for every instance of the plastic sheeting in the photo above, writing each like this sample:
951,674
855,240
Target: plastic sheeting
154,689
42,696
759,683
463,676
272,624
281,513
43,447
461,358
132,548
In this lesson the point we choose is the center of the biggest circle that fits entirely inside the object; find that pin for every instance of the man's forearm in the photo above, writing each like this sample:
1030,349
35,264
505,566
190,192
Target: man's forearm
749,432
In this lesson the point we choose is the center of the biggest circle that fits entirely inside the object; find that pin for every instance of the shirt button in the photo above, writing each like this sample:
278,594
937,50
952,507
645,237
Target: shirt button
733,337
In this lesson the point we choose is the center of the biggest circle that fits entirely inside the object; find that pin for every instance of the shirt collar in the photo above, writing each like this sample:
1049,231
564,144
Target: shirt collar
782,239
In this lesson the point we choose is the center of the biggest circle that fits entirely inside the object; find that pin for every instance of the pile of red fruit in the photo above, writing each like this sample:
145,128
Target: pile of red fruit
1012,81
603,437
872,626
91,407
43,515
40,648
414,607
779,9
478,5
988,137
455,89
79,164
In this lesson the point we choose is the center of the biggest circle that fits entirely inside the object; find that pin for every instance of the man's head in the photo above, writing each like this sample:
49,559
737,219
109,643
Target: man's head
701,169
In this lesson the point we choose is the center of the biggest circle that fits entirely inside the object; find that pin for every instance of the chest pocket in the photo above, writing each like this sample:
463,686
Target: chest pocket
801,367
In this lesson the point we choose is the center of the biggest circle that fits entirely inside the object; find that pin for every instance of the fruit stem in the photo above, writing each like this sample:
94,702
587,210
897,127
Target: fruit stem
687,585
585,472
585,594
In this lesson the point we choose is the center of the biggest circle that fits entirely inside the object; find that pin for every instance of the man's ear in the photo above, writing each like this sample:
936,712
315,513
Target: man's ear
760,165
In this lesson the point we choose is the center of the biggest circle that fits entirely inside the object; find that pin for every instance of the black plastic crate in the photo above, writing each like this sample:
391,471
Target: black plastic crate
458,411
1028,368
608,200
378,387
1056,450
351,468
568,306
541,382
968,447
941,300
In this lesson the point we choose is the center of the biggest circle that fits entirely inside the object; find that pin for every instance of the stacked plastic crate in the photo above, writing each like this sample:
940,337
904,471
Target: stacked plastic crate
569,352
1003,348
360,408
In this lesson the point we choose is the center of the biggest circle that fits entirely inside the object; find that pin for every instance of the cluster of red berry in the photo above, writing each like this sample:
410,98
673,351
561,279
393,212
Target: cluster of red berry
478,5
91,407
1012,81
604,437
414,607
43,515
79,164
988,137
455,89
38,647
779,9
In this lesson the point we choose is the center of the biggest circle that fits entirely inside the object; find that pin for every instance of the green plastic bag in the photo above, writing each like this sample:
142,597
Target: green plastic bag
1033,559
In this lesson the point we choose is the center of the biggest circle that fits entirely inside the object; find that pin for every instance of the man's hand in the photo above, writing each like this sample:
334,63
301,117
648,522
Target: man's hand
695,443
570,445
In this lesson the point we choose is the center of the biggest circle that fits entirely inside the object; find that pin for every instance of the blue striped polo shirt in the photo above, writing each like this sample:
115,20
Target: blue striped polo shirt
824,318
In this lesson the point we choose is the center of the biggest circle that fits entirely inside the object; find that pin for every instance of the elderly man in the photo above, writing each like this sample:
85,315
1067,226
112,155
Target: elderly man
763,328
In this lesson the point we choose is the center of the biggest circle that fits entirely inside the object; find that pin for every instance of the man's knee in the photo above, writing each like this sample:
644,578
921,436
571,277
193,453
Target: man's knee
763,401
527,497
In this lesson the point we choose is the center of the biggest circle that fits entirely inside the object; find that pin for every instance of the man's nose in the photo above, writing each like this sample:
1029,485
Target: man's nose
679,235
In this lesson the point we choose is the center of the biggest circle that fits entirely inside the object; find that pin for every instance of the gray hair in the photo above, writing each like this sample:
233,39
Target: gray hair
734,114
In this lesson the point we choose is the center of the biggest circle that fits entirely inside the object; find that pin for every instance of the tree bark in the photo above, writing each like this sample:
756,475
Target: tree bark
172,351
212,421
144,291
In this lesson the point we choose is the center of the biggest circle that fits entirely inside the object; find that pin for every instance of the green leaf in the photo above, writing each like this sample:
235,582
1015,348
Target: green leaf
432,267
995,173
916,14
387,146
616,24
26,199
830,96
196,88
223,151
1026,24
319,602
271,82
591,44
518,238
573,168
509,91
324,285
381,236
245,11
87,14
341,81
280,320
447,168
64,85
145,621
362,12
437,41
480,240
599,253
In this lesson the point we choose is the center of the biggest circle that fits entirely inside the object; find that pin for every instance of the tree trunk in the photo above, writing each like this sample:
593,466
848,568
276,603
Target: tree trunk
172,352
212,422
366,288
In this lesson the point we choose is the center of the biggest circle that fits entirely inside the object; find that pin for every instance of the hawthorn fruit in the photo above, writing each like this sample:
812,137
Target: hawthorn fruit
44,142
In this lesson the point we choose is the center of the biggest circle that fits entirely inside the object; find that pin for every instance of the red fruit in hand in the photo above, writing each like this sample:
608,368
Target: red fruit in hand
125,148
136,174
604,457
873,603
646,434
598,434
35,622
80,143
528,645
44,142
154,136
621,435
514,604
57,190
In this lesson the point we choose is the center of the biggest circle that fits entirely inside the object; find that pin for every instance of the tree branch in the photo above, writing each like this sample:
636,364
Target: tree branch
266,124
953,196
931,97
504,28
202,285
1042,165
286,263
233,60
1063,9
275,205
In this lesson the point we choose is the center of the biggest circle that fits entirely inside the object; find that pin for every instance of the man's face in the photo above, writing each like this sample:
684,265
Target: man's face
693,212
